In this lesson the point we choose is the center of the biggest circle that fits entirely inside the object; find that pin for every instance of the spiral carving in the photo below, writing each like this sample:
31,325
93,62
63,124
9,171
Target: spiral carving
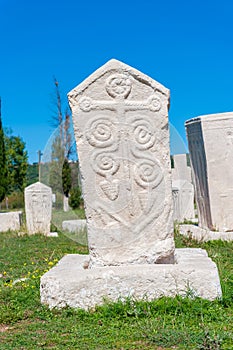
154,103
148,174
118,85
85,104
106,164
101,133
143,134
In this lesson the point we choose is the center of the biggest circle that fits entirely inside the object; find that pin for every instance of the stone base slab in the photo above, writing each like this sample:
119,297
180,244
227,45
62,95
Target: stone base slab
203,235
52,234
72,283
74,225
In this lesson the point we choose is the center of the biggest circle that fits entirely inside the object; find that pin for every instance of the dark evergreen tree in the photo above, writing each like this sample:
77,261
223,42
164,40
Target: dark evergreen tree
75,200
3,163
66,178
17,162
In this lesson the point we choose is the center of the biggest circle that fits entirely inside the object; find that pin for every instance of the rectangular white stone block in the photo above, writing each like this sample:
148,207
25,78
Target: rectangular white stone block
10,221
74,225
204,235
210,141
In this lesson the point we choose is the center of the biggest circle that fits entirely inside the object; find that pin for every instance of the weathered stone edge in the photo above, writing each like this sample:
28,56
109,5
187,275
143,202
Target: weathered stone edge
70,283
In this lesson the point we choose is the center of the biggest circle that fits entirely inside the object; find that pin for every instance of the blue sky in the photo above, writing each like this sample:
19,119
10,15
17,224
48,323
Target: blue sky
185,45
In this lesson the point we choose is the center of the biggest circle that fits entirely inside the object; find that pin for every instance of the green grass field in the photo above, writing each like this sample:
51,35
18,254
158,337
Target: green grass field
179,323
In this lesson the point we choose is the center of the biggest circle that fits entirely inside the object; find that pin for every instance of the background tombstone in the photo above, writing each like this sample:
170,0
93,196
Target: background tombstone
120,119
210,140
66,206
38,208
181,170
183,199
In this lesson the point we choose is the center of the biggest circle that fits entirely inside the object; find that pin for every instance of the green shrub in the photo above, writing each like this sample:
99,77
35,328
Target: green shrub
15,201
75,199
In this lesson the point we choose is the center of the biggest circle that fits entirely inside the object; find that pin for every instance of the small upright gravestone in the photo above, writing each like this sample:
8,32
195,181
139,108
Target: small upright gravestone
38,208
121,126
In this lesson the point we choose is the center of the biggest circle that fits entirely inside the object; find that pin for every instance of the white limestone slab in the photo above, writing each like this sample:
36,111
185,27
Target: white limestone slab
72,283
204,235
74,225
38,208
120,119
52,234
10,221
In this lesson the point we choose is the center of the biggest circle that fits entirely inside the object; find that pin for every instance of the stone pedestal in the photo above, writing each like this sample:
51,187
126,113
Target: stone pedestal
71,283
210,140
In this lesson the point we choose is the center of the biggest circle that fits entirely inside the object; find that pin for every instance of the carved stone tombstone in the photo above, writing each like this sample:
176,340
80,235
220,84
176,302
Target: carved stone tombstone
38,208
120,119
121,128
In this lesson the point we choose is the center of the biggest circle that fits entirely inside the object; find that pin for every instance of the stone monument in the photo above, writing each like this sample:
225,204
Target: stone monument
210,140
120,119
121,127
38,208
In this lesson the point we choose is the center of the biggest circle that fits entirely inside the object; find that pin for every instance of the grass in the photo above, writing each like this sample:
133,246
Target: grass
166,323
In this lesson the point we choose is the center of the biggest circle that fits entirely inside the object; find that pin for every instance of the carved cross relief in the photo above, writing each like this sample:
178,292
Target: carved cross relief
123,146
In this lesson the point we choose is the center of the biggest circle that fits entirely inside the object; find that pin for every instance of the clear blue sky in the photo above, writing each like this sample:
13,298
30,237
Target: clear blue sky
185,45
